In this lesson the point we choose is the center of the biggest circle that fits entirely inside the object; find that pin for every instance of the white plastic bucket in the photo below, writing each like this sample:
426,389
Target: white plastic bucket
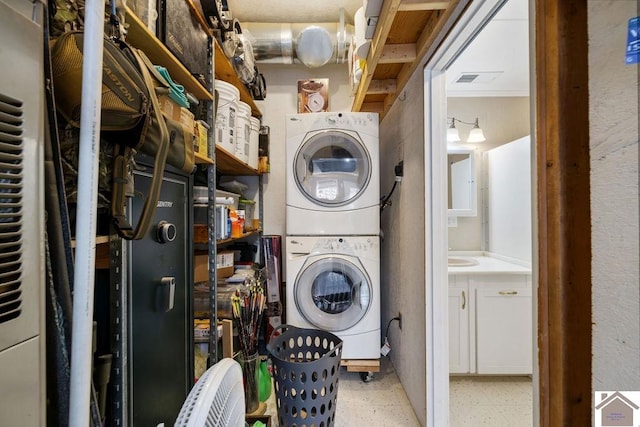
243,132
226,119
254,142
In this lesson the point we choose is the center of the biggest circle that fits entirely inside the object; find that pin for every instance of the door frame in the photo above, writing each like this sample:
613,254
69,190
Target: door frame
562,377
469,24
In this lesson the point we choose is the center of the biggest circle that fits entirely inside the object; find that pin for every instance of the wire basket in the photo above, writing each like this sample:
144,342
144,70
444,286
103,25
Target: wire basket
306,364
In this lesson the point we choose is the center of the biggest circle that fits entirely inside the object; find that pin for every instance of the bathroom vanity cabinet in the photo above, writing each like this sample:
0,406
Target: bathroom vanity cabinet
459,336
490,324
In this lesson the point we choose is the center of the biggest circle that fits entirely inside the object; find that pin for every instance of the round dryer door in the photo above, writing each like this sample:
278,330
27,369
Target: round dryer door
332,168
333,293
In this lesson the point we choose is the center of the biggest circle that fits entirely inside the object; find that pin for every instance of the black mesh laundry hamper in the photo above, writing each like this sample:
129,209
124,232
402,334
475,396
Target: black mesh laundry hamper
306,364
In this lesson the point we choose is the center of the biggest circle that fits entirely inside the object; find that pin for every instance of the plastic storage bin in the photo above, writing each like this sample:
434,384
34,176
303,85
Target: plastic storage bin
243,132
226,115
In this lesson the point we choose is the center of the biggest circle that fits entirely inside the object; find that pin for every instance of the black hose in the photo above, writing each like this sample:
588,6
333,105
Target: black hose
385,200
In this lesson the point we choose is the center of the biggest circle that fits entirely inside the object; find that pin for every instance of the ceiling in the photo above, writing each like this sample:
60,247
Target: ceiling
498,55
282,10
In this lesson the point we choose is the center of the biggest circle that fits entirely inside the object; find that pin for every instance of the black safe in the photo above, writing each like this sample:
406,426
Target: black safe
160,314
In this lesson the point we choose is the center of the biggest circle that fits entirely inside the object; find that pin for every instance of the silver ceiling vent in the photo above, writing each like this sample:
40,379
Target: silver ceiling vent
479,77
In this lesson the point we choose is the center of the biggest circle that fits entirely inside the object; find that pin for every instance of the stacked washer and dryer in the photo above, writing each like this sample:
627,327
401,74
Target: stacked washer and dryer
333,227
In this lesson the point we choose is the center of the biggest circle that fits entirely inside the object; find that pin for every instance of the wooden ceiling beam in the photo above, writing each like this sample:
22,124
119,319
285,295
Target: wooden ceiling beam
432,35
419,5
372,107
381,87
387,15
398,53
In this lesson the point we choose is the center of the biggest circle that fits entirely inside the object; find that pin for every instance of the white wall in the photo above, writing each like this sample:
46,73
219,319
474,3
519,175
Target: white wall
613,117
509,199
503,119
281,99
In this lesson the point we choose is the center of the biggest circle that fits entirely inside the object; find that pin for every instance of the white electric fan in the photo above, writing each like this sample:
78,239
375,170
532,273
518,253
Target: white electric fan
217,399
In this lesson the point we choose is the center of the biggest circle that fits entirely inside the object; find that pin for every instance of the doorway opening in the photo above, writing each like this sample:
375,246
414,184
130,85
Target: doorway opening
480,78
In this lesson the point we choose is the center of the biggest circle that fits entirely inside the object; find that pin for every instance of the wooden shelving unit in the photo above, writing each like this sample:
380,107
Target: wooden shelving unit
226,72
200,159
223,162
139,36
200,235
407,30
228,164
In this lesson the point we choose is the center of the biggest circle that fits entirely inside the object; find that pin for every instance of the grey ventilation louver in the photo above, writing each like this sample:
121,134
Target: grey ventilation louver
466,78
11,207
478,76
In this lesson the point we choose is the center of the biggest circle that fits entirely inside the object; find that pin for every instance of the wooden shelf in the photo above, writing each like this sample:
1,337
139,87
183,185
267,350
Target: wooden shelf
200,159
233,239
139,36
406,32
228,164
226,72
102,252
200,235
222,66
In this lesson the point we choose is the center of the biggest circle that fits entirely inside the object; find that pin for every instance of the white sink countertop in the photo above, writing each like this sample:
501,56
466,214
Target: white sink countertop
487,263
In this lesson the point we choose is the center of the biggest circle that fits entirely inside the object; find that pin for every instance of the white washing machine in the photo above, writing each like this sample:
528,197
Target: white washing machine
333,177
333,284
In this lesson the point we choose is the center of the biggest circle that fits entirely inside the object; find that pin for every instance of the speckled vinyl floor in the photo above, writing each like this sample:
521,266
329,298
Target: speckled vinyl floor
490,401
473,401
381,402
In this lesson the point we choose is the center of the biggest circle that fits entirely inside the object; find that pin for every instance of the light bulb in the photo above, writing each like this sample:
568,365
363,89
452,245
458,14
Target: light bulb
476,134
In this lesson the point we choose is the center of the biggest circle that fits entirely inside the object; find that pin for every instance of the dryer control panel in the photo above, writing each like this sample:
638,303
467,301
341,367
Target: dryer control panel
307,245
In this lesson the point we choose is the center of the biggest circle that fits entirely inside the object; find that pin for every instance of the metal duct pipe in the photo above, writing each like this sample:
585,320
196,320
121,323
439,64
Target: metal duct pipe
313,44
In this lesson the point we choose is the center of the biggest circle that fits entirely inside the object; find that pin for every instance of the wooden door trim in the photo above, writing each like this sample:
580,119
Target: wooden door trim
564,219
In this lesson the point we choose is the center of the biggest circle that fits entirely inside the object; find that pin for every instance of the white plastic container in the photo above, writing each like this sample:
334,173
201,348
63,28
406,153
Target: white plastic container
254,142
226,115
243,132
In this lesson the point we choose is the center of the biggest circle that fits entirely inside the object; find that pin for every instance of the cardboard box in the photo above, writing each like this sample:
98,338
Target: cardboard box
200,268
200,144
177,113
224,266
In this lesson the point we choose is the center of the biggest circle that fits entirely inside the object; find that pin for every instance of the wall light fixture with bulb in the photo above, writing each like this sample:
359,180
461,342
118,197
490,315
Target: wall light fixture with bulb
475,135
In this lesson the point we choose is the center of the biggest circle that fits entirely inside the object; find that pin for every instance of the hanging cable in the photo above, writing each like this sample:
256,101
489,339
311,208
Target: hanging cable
385,201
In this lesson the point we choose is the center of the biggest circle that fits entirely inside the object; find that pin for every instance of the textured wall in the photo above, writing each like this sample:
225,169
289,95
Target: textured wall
613,92
403,273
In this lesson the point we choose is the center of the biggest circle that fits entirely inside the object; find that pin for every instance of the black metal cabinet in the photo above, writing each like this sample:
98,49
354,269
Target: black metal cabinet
159,324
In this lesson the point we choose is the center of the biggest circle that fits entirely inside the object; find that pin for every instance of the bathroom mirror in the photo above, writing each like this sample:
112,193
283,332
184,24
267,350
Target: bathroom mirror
461,182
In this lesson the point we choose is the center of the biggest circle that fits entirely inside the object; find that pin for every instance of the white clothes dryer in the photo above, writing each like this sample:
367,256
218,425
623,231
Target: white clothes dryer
333,177
333,284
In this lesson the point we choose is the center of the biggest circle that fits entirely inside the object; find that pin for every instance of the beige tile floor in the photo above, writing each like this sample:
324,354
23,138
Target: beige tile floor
490,401
474,401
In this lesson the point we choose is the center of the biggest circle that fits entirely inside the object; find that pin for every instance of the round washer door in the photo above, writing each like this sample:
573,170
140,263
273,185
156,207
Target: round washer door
333,293
332,168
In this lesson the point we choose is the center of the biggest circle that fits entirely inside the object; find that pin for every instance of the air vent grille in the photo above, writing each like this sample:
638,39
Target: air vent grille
467,78
11,207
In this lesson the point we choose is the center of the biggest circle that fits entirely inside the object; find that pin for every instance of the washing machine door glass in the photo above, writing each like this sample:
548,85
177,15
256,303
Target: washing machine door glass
332,168
333,293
